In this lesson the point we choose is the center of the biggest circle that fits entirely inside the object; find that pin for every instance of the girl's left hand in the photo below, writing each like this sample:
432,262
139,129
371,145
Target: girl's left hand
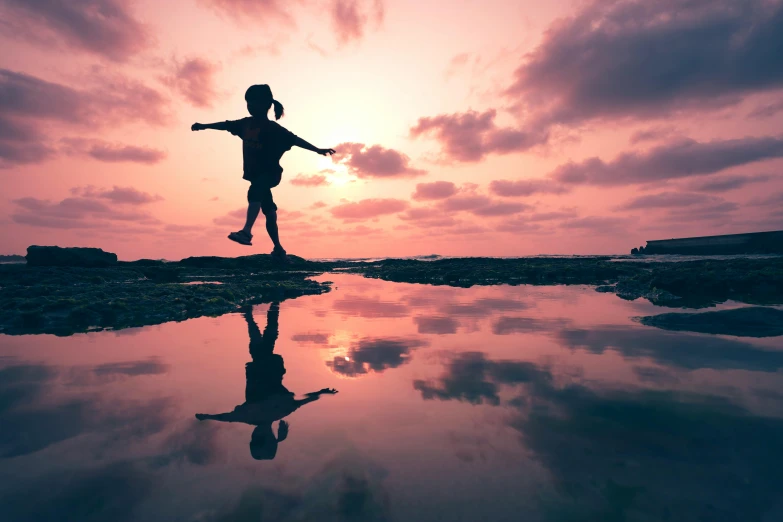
326,152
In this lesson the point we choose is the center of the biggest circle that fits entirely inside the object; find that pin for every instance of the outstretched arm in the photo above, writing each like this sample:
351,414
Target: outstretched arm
224,417
299,142
330,391
221,125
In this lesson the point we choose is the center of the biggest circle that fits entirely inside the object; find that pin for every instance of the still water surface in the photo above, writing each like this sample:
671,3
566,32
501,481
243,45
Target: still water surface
488,403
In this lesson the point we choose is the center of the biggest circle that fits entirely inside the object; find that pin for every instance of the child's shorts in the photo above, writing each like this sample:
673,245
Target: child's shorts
261,193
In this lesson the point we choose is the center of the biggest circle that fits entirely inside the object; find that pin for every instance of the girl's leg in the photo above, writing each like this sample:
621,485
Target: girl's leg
253,208
271,227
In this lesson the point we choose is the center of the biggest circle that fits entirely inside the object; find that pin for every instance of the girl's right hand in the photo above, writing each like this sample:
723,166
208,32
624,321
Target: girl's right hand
197,127
326,152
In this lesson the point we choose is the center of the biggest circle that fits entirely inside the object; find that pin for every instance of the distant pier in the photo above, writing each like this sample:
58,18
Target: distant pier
751,243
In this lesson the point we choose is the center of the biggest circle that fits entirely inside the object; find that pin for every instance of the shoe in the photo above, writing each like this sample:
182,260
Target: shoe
279,254
241,237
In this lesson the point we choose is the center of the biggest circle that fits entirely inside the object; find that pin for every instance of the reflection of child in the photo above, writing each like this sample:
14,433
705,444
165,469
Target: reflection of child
263,444
266,399
263,144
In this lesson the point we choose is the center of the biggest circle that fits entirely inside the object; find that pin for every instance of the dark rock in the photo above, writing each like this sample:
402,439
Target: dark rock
634,251
57,256
756,321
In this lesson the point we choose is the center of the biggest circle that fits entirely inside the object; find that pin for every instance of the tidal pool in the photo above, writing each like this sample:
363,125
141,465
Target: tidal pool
501,403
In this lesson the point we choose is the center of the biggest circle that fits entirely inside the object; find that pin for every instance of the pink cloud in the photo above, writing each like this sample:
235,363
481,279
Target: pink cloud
469,136
678,159
669,200
75,212
375,161
235,217
113,152
309,180
368,208
729,182
317,205
500,209
103,27
526,187
260,11
434,190
350,20
125,195
195,80
28,105
616,59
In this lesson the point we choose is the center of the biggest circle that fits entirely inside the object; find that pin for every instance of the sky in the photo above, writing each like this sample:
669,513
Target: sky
476,128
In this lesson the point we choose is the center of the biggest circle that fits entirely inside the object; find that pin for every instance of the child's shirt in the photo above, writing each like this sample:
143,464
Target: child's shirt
263,144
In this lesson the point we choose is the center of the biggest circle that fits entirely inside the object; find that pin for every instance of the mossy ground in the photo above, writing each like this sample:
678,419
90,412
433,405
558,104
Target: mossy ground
66,300
62,300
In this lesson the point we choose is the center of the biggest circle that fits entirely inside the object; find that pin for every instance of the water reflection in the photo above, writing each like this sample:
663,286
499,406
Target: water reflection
266,399
489,403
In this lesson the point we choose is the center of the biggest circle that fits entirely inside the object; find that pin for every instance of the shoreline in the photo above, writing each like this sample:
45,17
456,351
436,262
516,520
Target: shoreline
63,300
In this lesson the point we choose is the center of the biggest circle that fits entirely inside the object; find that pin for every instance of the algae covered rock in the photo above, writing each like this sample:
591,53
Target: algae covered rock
754,321
73,256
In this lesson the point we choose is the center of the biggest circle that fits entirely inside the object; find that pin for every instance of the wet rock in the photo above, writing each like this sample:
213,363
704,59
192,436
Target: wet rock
756,321
631,289
73,256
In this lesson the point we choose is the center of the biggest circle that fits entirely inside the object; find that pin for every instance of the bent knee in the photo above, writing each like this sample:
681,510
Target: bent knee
270,213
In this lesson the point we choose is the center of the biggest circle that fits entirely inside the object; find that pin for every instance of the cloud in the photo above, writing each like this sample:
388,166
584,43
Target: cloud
260,11
309,180
651,134
500,209
318,205
686,351
311,337
440,325
194,79
113,152
29,105
116,100
124,195
767,110
730,182
506,325
551,216
102,27
526,187
151,366
350,20
374,161
674,160
669,200
597,224
81,211
375,355
471,377
231,218
456,63
470,136
367,209
434,190
361,306
640,59
22,143
465,202
478,204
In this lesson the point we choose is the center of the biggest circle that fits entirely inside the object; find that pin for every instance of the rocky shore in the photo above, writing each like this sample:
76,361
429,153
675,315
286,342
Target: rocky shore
63,291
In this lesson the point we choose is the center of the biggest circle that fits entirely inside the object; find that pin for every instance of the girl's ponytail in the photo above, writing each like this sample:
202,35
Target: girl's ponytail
278,109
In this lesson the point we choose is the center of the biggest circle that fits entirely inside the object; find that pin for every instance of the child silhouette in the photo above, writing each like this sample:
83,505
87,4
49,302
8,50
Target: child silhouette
263,144
266,398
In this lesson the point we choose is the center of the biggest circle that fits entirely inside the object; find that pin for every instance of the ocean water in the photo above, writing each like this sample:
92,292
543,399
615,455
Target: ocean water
487,403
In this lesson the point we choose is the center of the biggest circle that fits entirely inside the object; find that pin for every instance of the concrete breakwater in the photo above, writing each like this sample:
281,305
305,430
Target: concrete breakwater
751,243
